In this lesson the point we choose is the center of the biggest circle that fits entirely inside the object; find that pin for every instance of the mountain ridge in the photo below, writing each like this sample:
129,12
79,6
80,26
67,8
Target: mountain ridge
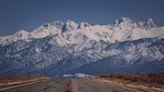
123,24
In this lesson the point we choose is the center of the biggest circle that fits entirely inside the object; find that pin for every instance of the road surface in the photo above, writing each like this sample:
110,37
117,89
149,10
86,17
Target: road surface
73,85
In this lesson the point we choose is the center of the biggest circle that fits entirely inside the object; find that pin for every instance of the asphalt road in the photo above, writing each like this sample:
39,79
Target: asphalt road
77,85
98,86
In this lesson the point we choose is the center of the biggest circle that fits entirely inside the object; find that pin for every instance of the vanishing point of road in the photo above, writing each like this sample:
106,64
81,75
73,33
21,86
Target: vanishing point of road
70,85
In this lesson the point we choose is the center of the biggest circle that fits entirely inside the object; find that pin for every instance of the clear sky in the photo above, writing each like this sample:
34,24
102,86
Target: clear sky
29,14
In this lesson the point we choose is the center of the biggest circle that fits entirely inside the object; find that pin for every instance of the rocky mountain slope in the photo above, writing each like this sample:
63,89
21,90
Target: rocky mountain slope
67,47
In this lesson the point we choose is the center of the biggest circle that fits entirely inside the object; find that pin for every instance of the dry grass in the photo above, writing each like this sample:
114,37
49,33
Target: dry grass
10,79
146,82
152,79
149,90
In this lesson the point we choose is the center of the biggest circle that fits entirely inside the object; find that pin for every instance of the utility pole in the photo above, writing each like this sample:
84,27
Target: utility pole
29,75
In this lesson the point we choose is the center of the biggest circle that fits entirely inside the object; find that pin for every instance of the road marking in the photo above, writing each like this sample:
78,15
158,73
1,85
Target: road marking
20,85
75,86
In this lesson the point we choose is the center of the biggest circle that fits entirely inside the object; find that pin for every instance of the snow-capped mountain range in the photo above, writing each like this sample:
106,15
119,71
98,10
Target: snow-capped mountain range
68,47
122,30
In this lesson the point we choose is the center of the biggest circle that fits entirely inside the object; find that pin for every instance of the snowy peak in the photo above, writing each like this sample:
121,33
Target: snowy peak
22,34
44,30
149,23
122,20
69,26
50,29
58,24
126,21
83,25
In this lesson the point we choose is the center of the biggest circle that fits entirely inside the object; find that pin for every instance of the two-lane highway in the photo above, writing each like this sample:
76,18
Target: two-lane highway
78,85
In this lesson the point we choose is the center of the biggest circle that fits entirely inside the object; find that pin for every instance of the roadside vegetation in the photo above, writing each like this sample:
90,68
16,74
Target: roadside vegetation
147,81
6,81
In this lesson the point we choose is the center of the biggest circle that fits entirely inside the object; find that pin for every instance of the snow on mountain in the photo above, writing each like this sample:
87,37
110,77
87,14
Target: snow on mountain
20,35
69,48
144,55
122,30
77,75
41,56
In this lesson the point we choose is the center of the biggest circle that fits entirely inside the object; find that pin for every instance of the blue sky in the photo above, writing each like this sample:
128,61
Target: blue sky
29,14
